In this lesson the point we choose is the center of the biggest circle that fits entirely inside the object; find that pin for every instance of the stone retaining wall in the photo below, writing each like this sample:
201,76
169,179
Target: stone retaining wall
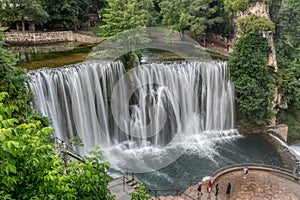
48,37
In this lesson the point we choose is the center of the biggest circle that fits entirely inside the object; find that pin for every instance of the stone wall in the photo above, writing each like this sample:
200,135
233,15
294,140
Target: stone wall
48,37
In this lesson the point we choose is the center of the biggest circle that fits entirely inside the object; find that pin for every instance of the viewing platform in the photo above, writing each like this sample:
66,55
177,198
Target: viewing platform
260,183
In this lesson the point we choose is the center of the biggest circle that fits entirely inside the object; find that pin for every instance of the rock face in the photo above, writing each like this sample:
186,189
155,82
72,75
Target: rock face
258,9
261,9
48,37
280,131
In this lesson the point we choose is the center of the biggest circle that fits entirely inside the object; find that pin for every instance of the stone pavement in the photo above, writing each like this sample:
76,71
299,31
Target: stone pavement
119,190
256,185
259,184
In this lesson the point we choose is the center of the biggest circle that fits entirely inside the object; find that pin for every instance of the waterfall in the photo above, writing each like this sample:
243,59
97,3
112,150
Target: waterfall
152,108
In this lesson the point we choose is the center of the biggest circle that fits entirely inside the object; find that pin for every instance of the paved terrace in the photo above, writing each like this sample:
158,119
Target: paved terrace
260,183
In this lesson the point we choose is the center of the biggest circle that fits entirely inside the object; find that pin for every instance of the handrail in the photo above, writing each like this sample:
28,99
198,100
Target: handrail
154,192
187,195
257,165
179,192
279,170
66,148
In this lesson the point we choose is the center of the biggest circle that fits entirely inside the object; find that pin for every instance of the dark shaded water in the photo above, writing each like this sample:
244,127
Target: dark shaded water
191,167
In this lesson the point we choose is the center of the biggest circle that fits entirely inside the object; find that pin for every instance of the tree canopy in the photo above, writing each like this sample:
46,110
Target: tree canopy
122,15
194,15
14,10
253,79
31,167
66,13
288,57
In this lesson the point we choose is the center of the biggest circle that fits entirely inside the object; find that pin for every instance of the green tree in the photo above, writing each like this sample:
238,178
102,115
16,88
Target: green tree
140,194
21,10
236,5
253,79
30,169
124,15
66,13
12,81
233,6
224,27
288,57
29,166
193,15
252,23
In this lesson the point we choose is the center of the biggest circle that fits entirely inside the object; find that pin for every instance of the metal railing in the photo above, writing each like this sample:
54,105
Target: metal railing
65,148
287,172
155,192
182,192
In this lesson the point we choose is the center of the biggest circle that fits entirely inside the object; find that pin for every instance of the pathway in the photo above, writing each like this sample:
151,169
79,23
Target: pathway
121,191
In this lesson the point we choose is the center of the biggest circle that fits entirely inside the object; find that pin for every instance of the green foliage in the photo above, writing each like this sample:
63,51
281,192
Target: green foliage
288,57
76,141
236,5
66,13
225,27
290,117
194,15
252,23
30,166
14,10
124,15
140,194
241,5
30,169
253,80
12,81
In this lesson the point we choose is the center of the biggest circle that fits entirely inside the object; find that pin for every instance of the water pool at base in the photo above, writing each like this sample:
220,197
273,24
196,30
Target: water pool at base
190,168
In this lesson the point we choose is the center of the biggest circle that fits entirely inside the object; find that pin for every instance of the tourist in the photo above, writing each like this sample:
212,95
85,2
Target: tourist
199,189
209,185
228,190
217,189
63,144
245,170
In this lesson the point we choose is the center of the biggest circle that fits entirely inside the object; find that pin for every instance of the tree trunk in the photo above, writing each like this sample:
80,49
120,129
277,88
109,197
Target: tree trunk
32,26
23,25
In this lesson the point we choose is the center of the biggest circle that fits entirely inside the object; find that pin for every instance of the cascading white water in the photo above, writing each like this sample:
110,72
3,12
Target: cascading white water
76,99
296,150
293,149
155,109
